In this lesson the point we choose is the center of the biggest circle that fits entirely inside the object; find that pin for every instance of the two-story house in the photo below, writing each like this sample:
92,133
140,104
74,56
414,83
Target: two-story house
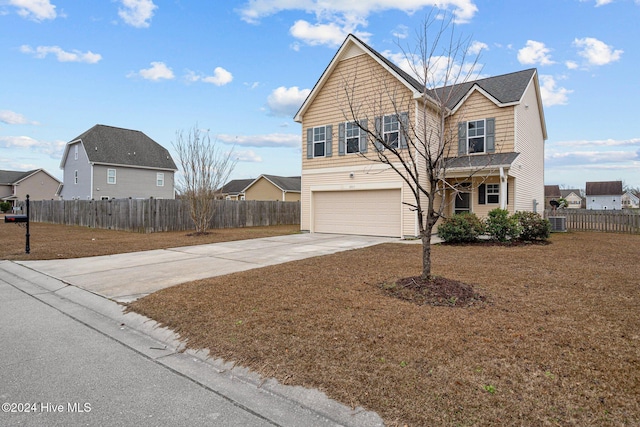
495,157
604,195
107,162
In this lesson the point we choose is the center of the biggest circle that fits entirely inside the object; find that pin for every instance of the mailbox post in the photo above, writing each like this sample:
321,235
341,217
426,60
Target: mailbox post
17,219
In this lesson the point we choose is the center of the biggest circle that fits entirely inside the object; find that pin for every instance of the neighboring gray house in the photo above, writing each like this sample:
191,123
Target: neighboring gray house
107,162
604,195
38,184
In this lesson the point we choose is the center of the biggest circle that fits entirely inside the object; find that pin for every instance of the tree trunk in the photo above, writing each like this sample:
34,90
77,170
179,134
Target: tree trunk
426,254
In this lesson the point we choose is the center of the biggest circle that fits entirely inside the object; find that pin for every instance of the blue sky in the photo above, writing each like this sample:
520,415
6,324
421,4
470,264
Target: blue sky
241,69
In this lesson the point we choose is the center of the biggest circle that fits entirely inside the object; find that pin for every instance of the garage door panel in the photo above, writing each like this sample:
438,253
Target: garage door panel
366,212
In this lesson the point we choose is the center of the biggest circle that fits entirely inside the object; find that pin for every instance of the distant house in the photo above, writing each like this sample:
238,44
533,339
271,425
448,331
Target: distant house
108,162
234,189
573,198
272,187
631,200
38,184
604,195
551,193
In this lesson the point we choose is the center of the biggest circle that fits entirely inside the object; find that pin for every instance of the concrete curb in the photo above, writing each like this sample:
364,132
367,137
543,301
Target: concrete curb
266,398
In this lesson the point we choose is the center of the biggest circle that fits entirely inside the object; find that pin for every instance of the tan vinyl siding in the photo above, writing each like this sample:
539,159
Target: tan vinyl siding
477,107
372,94
39,186
528,169
263,190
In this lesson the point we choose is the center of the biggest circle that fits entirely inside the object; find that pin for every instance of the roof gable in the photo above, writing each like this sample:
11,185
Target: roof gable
284,183
235,186
13,177
125,147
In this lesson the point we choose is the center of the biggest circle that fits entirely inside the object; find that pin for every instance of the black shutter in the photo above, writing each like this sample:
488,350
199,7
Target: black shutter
482,190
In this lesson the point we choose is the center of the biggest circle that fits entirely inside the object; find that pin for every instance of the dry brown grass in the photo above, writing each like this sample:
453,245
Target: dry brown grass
51,241
557,343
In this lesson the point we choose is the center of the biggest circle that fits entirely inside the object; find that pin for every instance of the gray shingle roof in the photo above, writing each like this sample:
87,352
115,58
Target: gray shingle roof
286,183
481,161
552,191
11,177
118,146
505,88
604,188
235,186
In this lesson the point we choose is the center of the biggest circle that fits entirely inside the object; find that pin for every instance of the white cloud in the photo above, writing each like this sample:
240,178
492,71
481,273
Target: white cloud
535,53
633,142
552,95
249,156
572,65
19,142
596,52
158,71
476,47
269,140
35,10
285,102
12,118
220,77
137,13
62,55
337,18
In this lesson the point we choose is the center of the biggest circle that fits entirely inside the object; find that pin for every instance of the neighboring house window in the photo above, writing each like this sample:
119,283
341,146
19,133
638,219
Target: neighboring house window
319,141
75,154
75,177
476,137
493,193
352,137
160,180
111,176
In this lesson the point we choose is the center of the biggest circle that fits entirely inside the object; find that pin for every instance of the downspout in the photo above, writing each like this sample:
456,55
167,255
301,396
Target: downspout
284,193
503,189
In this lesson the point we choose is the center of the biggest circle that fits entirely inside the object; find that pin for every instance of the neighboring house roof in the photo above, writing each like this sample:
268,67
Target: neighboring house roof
235,186
604,188
117,146
290,184
481,161
506,89
552,191
13,177
567,193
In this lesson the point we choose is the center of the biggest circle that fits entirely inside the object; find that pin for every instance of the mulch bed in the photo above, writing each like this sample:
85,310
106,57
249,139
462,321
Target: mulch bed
437,291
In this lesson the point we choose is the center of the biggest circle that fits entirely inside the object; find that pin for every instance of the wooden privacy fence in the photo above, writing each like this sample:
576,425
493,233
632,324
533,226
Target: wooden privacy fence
153,215
618,221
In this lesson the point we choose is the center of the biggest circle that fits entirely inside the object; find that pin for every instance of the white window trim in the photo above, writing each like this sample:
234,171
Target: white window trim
75,155
488,193
347,138
323,142
160,179
114,176
397,131
484,137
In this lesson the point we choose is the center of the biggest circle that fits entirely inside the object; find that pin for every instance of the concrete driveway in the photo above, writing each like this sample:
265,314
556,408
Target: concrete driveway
127,277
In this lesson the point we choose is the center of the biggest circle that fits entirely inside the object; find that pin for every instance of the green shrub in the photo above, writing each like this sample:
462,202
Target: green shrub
532,226
502,227
461,228
5,206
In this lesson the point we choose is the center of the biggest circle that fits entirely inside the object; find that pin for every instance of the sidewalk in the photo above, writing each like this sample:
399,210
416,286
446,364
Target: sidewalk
71,357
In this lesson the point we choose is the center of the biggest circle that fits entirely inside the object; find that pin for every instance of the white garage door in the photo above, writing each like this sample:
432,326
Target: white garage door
365,212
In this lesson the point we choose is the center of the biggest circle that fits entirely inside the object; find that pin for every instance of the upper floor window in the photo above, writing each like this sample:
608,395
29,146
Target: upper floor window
75,152
391,131
319,141
476,137
352,136
160,179
111,176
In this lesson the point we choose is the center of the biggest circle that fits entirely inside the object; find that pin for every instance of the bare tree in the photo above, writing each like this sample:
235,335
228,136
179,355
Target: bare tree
441,65
206,166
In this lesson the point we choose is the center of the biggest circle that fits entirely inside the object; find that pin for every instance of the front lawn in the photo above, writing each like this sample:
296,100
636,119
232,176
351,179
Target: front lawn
555,342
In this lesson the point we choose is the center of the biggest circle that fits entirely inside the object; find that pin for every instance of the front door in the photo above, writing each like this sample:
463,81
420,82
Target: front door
463,202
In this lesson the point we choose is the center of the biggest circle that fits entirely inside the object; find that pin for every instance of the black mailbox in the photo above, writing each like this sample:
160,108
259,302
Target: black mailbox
16,218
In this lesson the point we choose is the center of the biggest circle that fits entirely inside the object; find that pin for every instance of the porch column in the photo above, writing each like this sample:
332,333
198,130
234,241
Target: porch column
503,189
